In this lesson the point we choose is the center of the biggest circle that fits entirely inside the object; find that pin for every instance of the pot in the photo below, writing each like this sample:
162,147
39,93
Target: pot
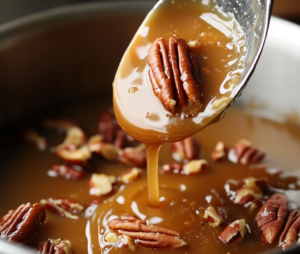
33,79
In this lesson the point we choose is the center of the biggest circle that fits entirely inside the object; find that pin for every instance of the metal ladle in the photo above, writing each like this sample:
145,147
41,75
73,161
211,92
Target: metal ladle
253,17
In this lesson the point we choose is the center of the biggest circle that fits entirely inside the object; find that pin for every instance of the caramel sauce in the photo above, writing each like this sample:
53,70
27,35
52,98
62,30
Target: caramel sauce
220,49
182,198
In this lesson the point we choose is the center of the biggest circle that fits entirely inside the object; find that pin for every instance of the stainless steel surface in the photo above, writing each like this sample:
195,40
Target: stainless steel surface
254,17
59,56
8,248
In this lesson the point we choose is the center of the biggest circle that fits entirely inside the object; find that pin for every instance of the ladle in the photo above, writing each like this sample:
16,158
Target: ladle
253,17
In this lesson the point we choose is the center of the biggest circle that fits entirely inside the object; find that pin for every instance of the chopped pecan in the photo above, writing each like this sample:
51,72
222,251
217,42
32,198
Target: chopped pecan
215,217
235,232
98,146
194,167
75,136
245,153
68,172
291,232
64,207
191,168
253,189
130,175
186,150
133,156
111,237
56,246
220,152
31,136
146,234
180,73
129,242
271,217
111,131
101,184
74,155
22,224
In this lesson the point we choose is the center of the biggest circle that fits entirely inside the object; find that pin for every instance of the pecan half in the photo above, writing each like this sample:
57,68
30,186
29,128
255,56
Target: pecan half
271,216
111,131
133,156
245,153
56,246
187,149
180,73
291,232
235,232
146,234
68,172
220,152
64,207
22,224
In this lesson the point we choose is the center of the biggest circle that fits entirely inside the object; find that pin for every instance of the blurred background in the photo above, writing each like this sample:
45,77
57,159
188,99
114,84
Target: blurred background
12,9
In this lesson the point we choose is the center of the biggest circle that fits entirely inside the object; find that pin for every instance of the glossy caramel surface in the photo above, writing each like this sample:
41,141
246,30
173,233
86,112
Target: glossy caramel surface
183,198
220,49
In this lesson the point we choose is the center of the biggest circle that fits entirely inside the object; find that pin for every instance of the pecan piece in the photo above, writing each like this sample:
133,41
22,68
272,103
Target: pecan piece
214,217
220,152
253,189
291,232
22,224
98,146
67,172
133,156
64,207
146,234
111,131
245,153
130,175
271,216
180,73
187,149
56,246
101,184
74,155
235,232
194,167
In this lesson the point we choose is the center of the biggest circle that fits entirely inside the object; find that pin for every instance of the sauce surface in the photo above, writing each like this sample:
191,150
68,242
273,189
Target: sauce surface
183,198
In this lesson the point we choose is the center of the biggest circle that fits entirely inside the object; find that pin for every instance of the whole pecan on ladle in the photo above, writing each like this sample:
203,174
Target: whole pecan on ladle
174,74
